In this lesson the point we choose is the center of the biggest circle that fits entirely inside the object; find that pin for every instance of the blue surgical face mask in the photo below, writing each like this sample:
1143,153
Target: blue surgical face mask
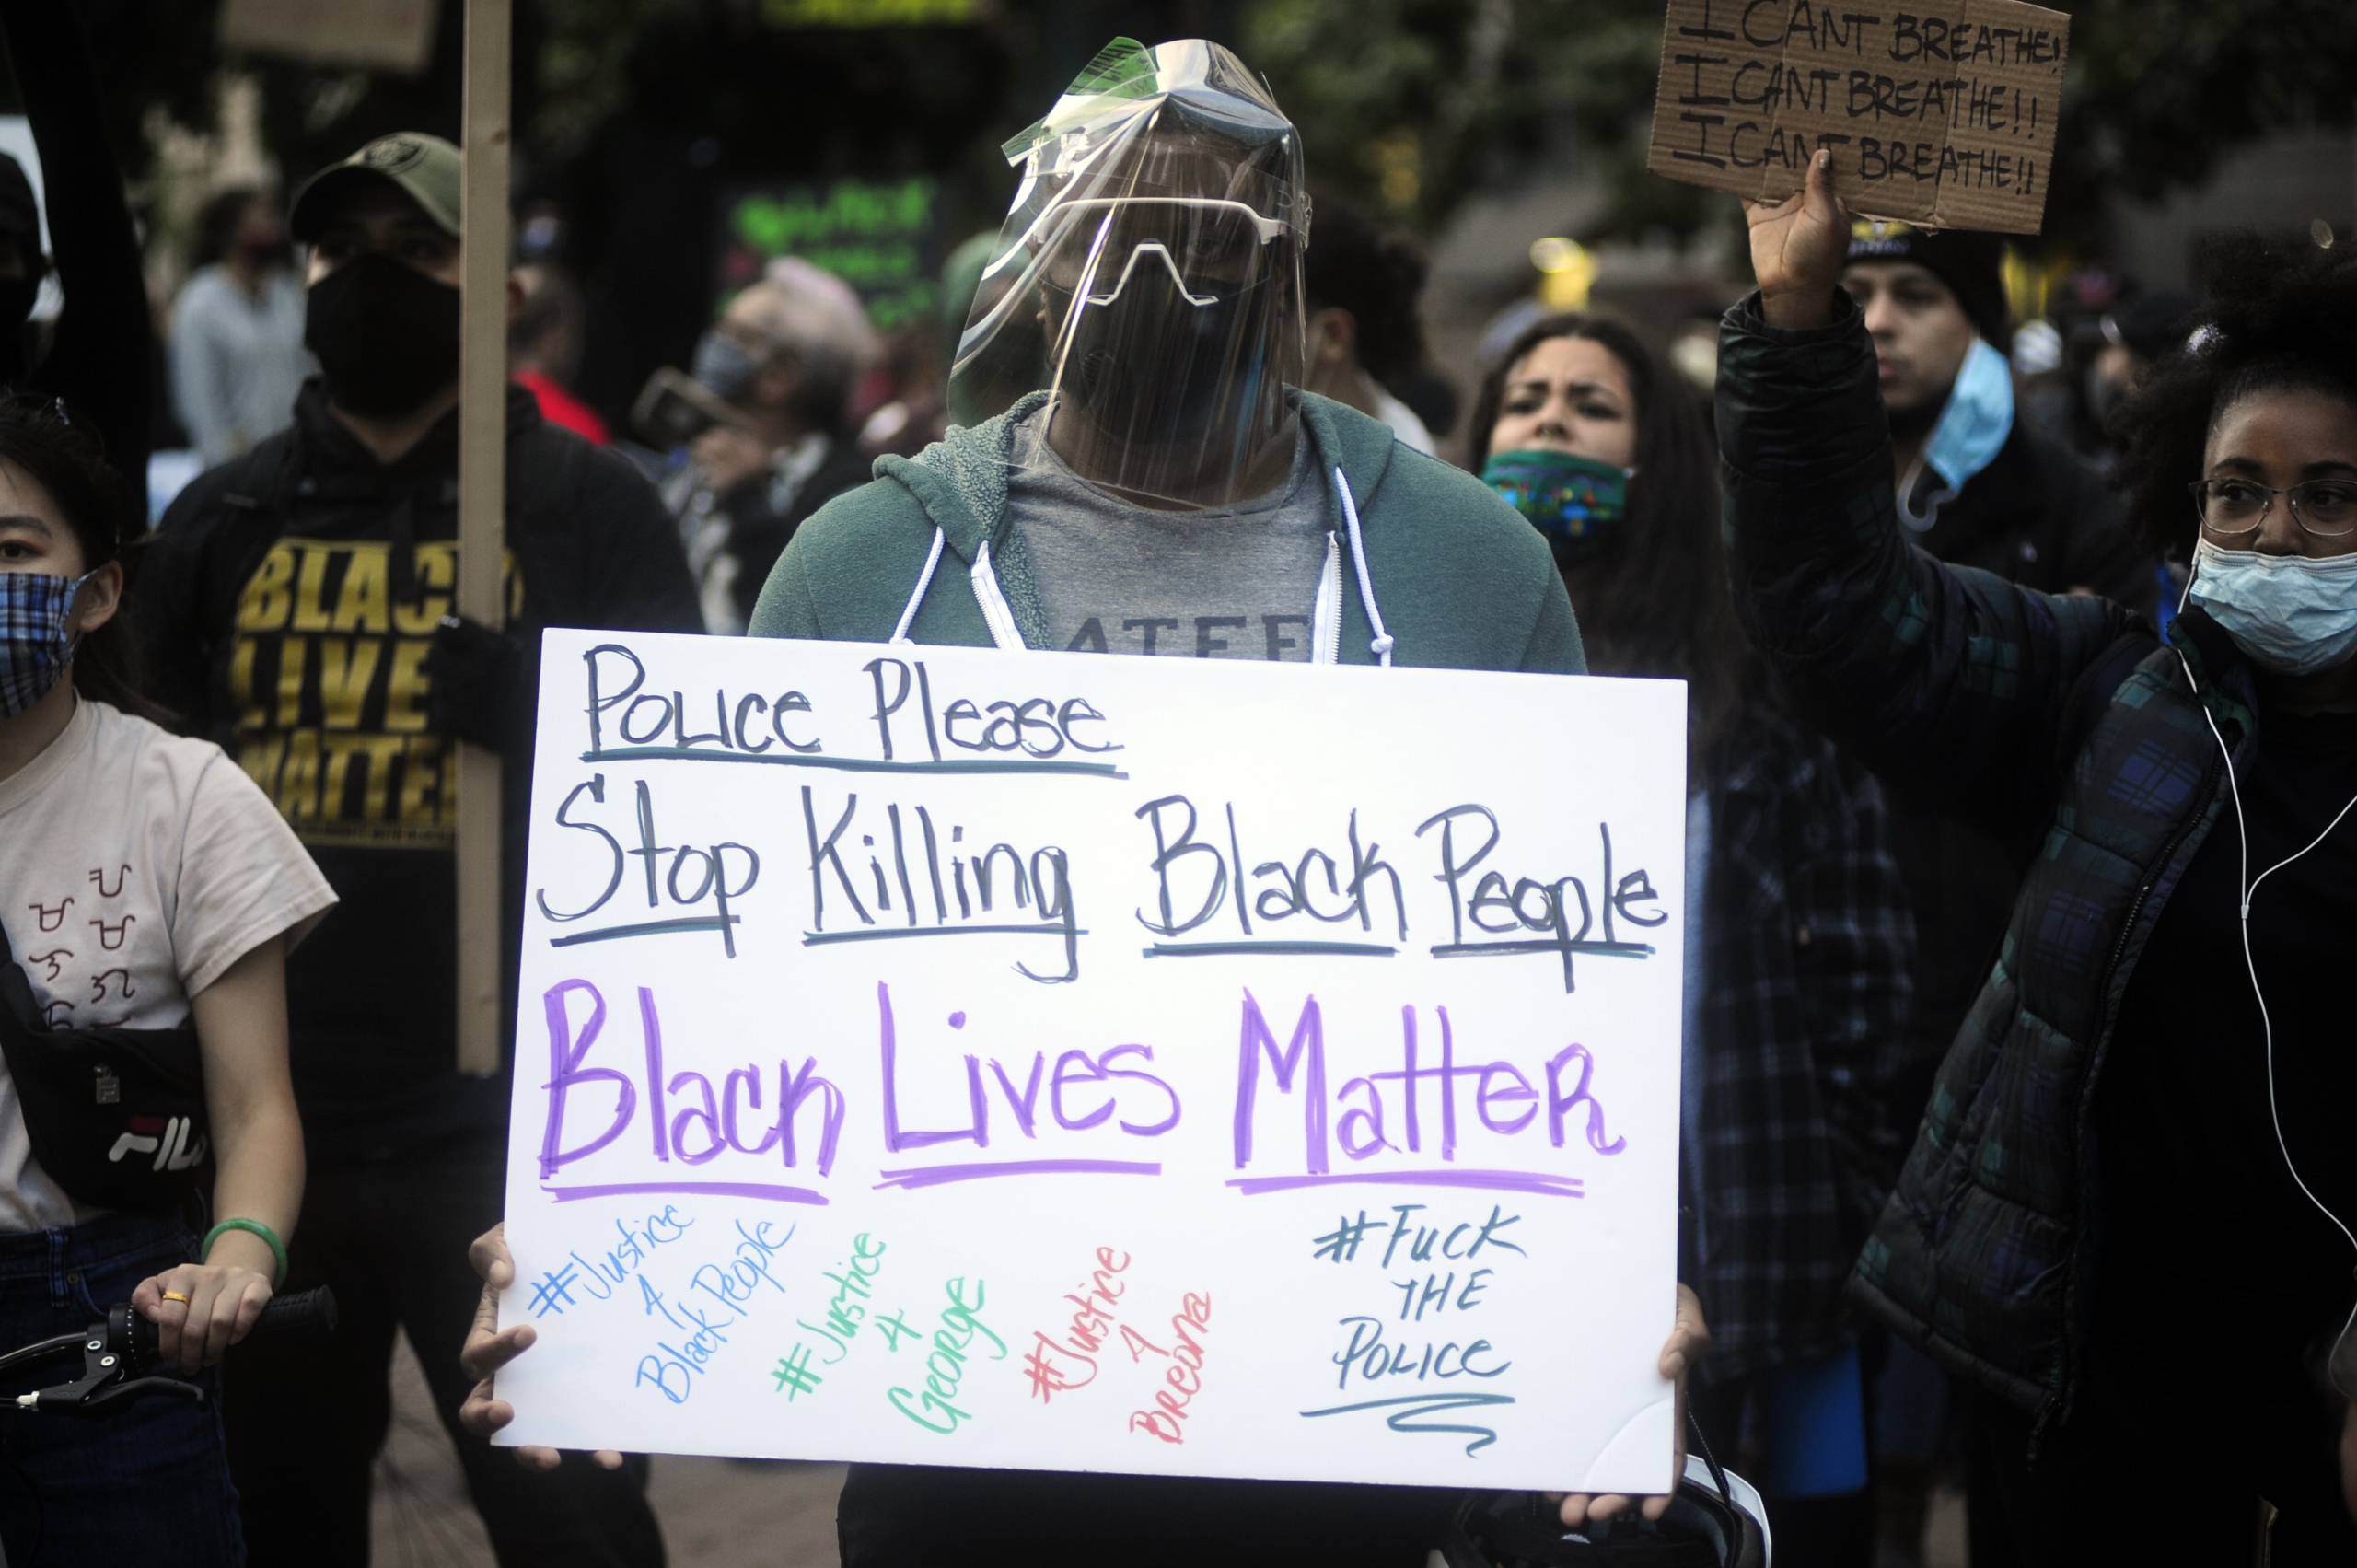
35,648
1976,419
2294,614
1577,503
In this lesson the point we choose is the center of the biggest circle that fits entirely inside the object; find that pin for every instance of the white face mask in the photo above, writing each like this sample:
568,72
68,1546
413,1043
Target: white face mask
2294,614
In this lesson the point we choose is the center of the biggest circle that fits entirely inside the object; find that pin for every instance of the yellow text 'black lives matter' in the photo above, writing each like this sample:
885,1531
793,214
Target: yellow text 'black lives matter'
328,678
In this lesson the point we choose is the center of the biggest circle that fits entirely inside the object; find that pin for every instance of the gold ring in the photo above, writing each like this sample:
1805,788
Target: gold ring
181,1296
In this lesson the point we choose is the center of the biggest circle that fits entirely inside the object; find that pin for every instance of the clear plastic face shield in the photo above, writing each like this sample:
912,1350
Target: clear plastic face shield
1149,281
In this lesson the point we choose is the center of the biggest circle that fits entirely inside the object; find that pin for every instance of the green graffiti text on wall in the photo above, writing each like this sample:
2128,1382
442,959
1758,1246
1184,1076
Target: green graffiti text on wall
876,236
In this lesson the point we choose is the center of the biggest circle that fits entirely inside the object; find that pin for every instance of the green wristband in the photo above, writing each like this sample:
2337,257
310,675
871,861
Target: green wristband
258,1228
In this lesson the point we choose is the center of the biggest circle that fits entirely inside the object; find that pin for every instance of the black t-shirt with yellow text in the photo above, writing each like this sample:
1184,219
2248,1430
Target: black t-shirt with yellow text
288,606
327,688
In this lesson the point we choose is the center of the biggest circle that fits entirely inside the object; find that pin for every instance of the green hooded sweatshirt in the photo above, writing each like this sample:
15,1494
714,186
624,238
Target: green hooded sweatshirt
1452,573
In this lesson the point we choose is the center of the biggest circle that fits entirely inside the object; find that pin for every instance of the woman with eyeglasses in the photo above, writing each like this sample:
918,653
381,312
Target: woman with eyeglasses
2126,1222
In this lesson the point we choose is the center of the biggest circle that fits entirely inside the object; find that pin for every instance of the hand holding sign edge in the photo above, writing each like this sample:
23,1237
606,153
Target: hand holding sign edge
1798,246
1690,1337
489,1348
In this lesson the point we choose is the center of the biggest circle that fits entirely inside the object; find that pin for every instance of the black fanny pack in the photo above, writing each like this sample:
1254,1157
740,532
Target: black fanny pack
116,1116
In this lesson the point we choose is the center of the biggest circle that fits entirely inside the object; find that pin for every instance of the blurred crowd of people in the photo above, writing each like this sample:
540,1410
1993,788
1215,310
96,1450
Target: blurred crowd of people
1954,821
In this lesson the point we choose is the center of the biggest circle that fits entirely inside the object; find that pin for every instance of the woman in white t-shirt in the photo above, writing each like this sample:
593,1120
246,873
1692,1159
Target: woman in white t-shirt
145,882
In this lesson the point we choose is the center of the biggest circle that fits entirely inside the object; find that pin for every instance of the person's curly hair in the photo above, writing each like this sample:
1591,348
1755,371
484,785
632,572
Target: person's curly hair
2278,317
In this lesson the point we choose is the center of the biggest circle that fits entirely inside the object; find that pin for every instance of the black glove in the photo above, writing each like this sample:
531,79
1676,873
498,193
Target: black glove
481,687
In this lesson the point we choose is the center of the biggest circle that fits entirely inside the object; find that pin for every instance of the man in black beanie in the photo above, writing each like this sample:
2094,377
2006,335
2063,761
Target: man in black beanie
1977,487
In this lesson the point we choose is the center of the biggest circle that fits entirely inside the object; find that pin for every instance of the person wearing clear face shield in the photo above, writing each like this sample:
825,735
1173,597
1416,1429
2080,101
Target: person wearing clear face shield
2125,1225
1164,488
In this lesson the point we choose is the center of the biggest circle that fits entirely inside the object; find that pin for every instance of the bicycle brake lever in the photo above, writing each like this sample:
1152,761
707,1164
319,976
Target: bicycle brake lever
139,1387
92,1403
109,1357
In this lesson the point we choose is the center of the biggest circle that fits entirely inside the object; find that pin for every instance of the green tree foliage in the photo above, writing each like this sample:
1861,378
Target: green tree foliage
1408,106
1411,106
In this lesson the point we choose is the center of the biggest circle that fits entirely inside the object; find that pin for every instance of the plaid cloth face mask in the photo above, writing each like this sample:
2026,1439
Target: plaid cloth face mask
34,646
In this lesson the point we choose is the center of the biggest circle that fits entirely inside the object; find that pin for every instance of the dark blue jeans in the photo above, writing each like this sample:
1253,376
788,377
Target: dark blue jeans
306,1418
151,1485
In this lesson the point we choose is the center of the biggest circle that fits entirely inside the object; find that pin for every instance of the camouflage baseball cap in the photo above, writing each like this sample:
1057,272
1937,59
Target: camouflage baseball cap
422,168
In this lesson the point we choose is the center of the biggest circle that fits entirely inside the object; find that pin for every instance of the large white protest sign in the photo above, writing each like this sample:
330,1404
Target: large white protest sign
1061,1062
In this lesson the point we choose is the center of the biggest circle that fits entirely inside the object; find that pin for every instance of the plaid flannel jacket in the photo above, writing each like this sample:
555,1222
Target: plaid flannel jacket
2058,720
1808,949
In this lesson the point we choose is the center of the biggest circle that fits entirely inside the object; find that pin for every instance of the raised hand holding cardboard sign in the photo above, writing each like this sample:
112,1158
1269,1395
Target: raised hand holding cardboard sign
1944,118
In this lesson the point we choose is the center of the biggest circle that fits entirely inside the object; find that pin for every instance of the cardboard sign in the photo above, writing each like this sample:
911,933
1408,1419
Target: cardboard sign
1944,118
880,236
380,35
1052,1061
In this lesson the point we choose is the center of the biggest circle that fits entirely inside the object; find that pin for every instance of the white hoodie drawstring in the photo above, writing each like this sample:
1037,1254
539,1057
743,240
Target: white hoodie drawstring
1383,642
925,581
1000,617
996,611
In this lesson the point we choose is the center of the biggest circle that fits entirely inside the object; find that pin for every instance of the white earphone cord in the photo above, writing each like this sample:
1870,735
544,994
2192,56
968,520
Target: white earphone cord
2249,889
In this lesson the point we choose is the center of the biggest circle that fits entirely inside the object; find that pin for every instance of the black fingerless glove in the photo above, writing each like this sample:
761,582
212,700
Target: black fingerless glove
482,685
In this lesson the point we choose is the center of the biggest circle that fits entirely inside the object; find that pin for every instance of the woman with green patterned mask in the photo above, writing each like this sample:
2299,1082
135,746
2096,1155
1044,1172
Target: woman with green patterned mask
1604,451
1563,440
1796,980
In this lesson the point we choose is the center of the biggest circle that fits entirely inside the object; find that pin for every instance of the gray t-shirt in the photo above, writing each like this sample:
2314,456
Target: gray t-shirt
1238,583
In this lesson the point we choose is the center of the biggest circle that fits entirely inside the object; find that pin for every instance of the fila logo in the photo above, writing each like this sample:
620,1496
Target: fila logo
175,1146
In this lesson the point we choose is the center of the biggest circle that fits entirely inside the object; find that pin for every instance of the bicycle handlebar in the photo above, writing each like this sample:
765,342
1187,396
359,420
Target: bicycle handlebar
119,1356
307,1315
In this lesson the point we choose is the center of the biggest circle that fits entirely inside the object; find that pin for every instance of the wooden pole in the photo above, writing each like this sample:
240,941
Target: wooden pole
482,507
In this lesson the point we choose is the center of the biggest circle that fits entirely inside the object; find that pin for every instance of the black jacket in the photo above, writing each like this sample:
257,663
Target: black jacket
101,357
2039,518
289,605
2058,721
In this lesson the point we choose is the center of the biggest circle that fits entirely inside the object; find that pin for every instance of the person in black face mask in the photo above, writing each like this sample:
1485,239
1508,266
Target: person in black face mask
1174,314
318,568
383,309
